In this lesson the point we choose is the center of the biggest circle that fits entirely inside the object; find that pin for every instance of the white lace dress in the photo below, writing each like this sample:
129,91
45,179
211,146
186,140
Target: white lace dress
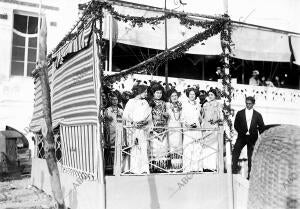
192,148
137,110
175,135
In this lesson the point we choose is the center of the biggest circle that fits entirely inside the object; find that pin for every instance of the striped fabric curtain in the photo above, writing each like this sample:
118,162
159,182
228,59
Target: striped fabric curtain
79,150
74,98
38,102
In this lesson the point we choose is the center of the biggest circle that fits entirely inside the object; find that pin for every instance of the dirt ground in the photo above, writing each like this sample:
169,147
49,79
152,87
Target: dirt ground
18,194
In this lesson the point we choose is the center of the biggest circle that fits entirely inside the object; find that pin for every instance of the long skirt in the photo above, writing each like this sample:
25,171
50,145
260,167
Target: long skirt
210,150
158,151
138,154
175,145
192,151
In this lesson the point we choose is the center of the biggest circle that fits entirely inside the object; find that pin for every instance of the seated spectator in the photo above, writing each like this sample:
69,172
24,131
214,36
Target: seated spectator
269,83
263,81
277,82
254,80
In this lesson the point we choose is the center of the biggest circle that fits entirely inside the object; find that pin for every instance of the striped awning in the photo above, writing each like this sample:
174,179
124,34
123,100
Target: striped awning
78,43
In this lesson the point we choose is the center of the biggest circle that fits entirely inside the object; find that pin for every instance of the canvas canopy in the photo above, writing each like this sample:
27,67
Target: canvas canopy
250,43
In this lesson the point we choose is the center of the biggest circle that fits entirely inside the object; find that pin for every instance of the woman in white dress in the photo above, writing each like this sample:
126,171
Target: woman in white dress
212,116
192,148
174,110
137,113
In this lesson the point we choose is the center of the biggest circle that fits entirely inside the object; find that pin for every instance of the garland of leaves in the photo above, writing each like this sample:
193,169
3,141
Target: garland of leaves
175,52
140,20
227,89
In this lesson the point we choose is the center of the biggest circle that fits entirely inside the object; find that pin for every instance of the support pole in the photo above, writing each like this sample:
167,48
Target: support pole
41,71
166,48
220,150
227,128
203,68
38,30
230,189
49,138
110,42
243,72
98,79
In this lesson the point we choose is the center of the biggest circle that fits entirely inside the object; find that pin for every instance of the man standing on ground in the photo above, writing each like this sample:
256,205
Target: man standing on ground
248,122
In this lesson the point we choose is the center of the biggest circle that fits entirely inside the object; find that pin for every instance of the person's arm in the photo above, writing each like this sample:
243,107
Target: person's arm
107,117
127,112
236,122
252,81
260,123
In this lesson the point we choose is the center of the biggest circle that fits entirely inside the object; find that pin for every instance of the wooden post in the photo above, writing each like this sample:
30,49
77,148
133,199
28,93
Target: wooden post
118,149
110,48
203,68
166,48
228,142
42,72
49,139
220,150
99,74
243,72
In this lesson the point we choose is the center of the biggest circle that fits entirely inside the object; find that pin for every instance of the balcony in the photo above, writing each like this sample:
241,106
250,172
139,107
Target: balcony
277,105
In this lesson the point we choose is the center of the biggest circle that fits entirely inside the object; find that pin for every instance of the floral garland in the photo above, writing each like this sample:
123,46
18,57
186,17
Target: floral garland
227,89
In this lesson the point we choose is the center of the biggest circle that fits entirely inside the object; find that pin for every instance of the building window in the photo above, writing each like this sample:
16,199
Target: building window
24,46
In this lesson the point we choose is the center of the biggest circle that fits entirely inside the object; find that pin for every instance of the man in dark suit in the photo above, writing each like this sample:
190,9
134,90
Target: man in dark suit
248,122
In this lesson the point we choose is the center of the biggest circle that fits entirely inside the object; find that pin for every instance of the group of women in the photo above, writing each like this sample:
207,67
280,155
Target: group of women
167,135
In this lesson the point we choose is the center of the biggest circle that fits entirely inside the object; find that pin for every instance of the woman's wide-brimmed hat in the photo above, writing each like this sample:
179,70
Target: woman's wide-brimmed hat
255,72
138,89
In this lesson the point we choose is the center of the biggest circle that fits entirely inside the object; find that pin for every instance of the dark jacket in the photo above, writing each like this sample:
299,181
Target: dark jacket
240,124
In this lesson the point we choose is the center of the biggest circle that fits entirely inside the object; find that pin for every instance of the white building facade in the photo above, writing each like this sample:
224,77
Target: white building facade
18,51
